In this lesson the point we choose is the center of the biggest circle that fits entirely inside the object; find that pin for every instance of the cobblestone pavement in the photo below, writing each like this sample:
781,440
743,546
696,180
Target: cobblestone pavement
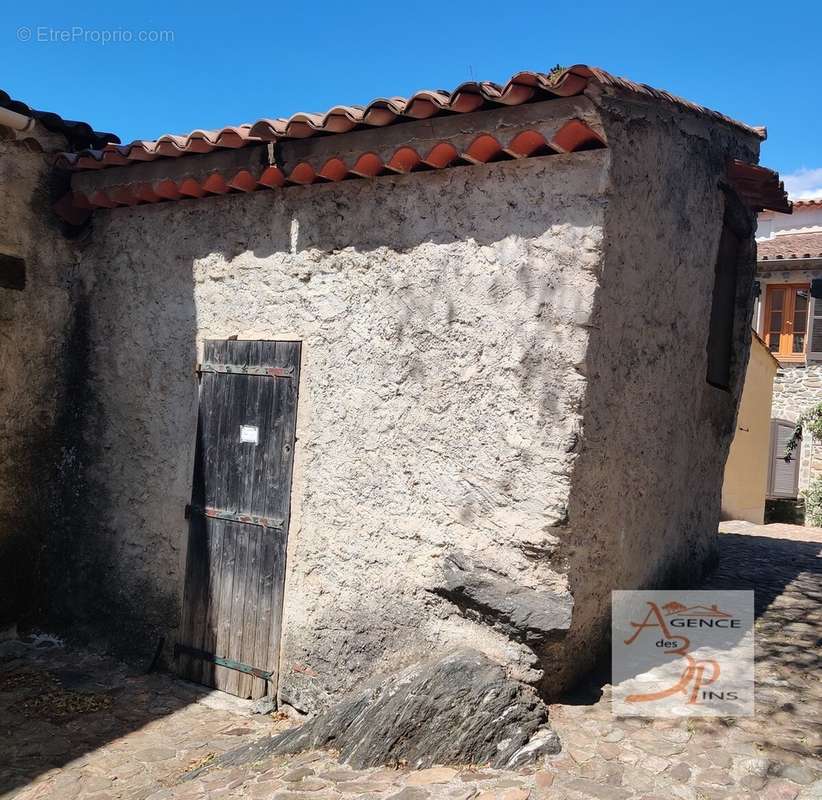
75,726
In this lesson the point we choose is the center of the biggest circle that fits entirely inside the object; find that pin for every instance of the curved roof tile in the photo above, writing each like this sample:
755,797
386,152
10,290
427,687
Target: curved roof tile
523,87
79,134
574,136
790,246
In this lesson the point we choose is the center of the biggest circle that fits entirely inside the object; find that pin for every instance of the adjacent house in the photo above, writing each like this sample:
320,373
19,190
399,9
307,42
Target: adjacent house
788,316
310,399
747,471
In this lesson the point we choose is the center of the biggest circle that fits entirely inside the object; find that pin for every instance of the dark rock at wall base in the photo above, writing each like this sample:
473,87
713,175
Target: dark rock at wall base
532,617
458,709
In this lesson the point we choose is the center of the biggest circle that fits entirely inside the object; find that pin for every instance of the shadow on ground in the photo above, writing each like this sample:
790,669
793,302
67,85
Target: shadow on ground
57,705
767,565
77,725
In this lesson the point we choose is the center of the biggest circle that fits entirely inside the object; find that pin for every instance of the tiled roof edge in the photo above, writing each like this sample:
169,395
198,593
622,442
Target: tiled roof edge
607,79
522,87
79,134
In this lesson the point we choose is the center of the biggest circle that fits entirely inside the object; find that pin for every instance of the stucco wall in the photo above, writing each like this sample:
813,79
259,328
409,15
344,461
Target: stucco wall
503,364
746,471
645,496
32,328
443,318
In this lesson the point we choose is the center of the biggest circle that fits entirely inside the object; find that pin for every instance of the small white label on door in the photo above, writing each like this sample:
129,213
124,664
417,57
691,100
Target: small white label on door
249,433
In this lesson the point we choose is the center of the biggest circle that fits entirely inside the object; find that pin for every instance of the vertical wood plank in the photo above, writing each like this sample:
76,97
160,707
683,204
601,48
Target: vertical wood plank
250,611
222,675
262,633
212,615
235,618
235,574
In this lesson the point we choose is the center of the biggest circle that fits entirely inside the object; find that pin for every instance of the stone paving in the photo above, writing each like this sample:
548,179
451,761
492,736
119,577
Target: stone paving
75,726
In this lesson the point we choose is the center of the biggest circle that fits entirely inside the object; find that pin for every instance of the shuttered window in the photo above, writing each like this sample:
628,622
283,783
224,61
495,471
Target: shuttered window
786,320
815,336
783,475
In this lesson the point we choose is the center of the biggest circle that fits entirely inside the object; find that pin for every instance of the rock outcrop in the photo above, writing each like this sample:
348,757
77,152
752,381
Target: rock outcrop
525,615
459,709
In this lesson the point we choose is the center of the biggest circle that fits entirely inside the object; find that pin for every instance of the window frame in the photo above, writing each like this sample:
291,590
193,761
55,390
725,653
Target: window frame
785,353
796,456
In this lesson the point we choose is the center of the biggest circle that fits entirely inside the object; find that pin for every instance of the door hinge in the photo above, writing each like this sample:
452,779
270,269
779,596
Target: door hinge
244,369
229,663
230,516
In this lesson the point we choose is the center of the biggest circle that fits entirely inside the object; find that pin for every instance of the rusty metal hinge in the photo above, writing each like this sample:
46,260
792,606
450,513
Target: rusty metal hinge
244,369
229,663
230,516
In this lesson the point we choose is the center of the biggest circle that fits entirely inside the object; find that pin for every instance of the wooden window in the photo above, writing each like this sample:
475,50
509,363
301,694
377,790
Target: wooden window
723,305
786,320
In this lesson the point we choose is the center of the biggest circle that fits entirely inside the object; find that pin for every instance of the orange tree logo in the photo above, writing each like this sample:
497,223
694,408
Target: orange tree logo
676,651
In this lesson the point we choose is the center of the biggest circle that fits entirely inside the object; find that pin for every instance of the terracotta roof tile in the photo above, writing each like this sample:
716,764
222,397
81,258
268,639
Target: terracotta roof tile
573,136
790,246
759,187
816,201
523,87
79,134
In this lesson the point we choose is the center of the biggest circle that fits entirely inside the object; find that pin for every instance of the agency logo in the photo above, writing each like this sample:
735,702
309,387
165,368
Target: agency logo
682,653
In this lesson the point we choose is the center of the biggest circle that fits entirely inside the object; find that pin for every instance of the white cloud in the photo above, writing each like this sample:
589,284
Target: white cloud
804,184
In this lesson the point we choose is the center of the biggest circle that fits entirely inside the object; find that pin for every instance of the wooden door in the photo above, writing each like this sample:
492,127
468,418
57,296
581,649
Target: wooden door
239,516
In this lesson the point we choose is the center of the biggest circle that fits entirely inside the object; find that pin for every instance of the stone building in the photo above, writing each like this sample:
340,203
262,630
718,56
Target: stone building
788,316
451,355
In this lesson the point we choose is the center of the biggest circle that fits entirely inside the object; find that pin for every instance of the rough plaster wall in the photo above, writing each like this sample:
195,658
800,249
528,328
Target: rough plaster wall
32,328
443,317
798,388
645,496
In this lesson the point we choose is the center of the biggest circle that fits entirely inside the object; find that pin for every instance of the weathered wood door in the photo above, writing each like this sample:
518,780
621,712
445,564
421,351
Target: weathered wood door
239,516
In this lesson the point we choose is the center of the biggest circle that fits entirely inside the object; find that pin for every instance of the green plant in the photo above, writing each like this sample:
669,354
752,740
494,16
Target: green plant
810,419
555,73
813,502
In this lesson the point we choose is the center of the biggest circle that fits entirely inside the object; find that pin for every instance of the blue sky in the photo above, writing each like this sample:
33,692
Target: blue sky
229,64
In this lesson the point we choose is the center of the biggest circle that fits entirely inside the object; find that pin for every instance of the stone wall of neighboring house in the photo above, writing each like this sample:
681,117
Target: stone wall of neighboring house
503,405
34,322
797,388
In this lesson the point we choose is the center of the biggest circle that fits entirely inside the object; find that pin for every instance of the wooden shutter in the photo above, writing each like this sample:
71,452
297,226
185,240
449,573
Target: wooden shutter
814,350
783,474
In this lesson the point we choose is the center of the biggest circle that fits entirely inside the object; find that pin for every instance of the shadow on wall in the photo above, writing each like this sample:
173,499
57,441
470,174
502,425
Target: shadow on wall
145,327
121,452
650,416
46,531
72,580
87,595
